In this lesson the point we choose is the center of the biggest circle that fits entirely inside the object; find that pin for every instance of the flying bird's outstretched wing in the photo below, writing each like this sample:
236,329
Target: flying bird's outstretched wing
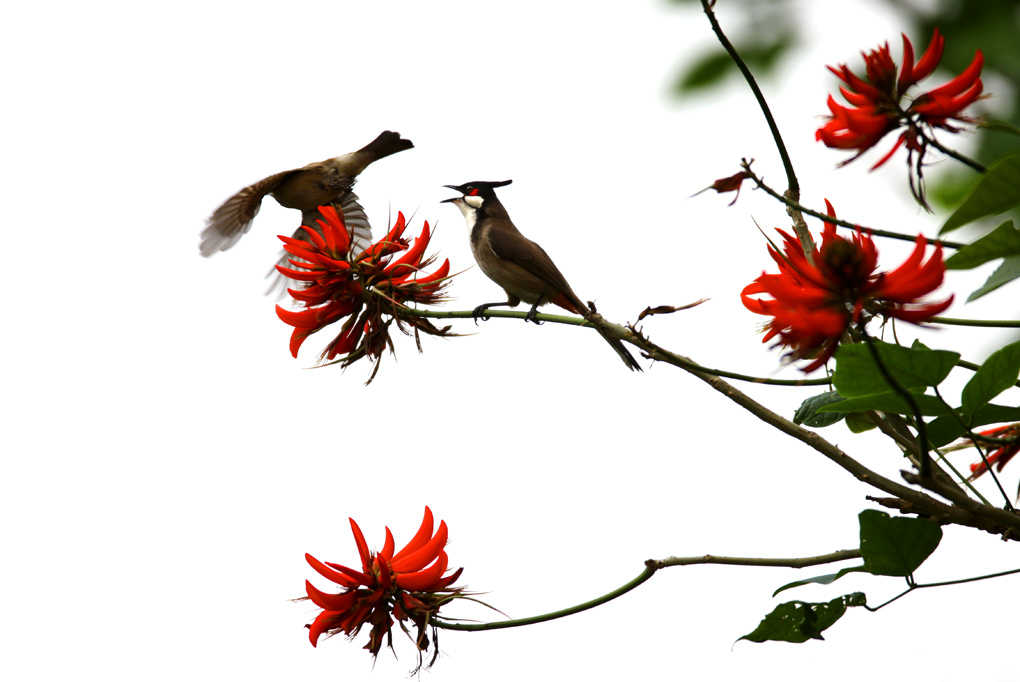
233,219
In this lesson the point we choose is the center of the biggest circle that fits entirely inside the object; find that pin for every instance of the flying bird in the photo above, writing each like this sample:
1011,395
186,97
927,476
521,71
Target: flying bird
305,189
516,263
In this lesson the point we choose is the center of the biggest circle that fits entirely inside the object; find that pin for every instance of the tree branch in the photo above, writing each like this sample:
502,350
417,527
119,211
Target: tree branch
800,562
967,512
841,223
499,625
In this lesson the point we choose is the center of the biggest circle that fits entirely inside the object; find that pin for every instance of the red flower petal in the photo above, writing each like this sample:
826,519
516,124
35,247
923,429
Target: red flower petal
359,539
415,561
330,602
425,579
420,538
387,551
323,622
931,57
329,573
409,261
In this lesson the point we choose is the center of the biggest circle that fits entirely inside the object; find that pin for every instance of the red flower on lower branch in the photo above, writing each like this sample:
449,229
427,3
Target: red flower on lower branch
391,586
815,301
370,290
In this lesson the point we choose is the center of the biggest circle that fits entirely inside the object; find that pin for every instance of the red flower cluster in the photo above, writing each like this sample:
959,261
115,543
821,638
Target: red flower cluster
876,100
405,585
815,301
1000,456
370,289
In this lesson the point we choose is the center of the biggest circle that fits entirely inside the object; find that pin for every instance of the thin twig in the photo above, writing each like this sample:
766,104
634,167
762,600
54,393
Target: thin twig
843,223
921,586
800,562
967,161
499,625
1005,324
793,189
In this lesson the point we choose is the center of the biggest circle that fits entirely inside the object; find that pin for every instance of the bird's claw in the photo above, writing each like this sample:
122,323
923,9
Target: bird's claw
477,313
530,317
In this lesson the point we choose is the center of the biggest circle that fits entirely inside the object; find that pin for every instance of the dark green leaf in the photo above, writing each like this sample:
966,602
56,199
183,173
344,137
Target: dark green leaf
996,191
763,58
945,430
1007,272
822,579
709,70
1002,242
893,402
799,621
705,73
859,422
896,546
808,414
997,373
858,375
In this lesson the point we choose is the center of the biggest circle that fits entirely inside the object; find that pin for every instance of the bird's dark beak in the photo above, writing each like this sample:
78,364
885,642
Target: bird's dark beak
455,188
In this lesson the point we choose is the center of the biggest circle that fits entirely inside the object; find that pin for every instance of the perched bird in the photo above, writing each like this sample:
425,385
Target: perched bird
317,184
516,263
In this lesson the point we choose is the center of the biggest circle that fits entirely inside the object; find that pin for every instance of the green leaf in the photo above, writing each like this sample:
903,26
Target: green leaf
996,191
945,430
896,546
762,58
798,621
1006,273
709,70
998,126
858,375
705,73
893,402
808,414
859,422
1002,242
822,579
997,373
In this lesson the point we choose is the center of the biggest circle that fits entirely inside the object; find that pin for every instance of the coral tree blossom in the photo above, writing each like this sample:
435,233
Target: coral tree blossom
409,584
814,303
369,289
876,100
1000,456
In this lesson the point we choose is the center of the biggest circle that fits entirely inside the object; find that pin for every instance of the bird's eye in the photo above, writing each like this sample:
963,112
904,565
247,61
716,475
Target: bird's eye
472,192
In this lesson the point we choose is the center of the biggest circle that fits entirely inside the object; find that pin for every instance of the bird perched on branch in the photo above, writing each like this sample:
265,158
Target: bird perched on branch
516,263
307,188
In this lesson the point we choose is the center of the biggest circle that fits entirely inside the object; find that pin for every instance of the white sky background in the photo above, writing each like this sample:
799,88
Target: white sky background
167,463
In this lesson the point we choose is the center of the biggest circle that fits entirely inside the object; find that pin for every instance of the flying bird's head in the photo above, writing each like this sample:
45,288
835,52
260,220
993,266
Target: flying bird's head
477,196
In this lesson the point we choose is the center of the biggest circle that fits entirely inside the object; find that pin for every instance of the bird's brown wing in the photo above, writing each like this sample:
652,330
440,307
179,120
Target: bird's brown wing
357,224
233,219
533,258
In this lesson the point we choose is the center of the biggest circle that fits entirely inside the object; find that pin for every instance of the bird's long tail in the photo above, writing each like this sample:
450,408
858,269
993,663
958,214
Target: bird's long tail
386,144
621,350
573,304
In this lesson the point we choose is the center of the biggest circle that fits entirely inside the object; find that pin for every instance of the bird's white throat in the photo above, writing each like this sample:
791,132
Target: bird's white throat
470,212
